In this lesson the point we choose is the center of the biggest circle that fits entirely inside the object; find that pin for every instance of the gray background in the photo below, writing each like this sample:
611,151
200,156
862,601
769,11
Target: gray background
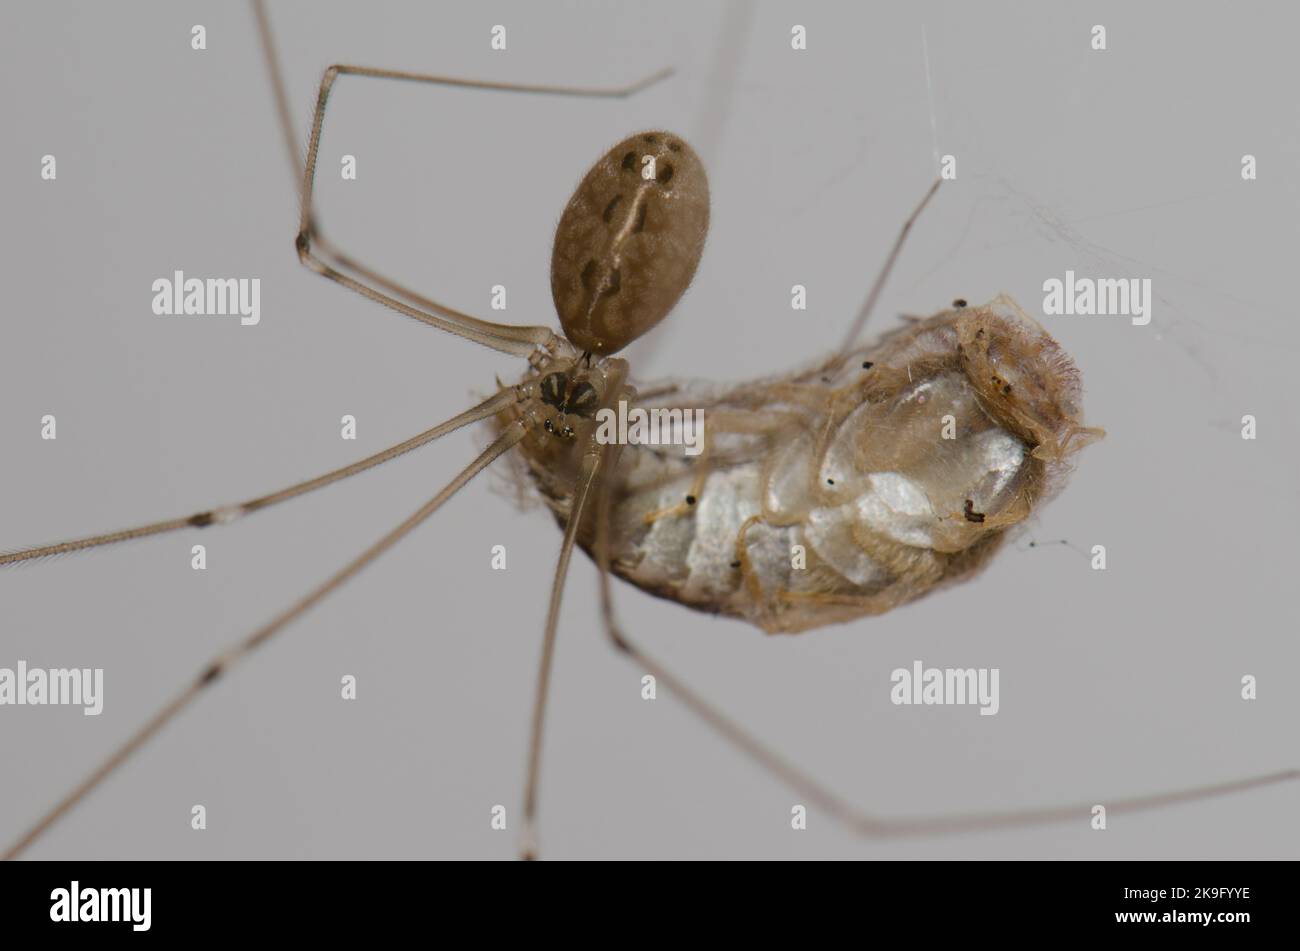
1122,163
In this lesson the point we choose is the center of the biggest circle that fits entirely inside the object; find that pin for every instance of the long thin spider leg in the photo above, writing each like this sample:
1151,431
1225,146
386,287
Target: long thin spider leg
878,285
343,262
518,341
515,340
587,478
840,809
224,661
325,248
228,513
279,89
590,467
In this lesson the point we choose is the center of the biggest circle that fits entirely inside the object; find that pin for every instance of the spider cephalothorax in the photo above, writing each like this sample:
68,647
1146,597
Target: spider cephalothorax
571,392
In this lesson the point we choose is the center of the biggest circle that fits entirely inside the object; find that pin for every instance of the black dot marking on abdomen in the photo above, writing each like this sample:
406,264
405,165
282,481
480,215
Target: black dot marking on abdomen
609,209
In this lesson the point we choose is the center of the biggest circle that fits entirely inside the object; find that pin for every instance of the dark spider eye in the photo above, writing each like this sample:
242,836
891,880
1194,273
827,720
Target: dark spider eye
629,160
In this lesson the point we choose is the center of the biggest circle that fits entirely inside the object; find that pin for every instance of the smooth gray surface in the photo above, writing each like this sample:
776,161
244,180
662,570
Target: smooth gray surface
1122,163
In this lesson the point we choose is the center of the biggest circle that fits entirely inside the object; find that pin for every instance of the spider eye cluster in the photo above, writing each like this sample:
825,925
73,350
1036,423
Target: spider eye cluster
568,397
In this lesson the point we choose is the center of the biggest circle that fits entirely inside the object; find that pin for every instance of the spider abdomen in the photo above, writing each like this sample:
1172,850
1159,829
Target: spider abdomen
629,241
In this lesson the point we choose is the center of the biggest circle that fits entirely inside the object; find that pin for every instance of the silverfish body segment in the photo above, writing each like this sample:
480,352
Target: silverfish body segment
831,495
